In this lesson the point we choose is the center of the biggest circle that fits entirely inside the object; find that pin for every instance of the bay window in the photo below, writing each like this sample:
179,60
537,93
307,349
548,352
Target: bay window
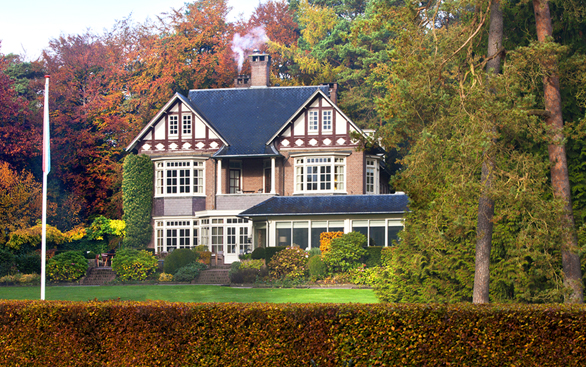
320,174
179,178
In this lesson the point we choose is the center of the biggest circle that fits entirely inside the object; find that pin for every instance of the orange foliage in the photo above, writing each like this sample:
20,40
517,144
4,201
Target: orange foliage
20,200
325,240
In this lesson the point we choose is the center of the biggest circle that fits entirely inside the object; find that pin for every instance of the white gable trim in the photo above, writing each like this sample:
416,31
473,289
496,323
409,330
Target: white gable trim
307,104
165,109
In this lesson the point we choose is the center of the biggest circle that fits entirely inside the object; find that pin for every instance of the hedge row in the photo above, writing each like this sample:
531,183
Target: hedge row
36,333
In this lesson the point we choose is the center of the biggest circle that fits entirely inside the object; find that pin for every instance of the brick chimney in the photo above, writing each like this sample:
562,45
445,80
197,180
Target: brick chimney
242,81
260,65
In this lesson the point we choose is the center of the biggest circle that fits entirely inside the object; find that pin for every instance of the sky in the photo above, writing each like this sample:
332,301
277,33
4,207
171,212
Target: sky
27,26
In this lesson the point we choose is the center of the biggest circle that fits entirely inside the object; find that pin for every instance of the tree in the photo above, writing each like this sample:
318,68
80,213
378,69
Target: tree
437,105
20,200
486,202
557,155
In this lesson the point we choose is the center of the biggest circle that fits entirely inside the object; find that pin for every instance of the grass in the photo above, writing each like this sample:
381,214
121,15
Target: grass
191,293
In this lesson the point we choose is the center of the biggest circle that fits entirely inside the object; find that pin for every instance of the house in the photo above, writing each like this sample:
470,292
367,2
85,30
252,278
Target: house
256,165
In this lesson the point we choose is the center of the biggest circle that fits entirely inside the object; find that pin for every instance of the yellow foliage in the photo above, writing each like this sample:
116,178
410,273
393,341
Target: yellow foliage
32,236
118,227
75,234
316,21
325,240
164,277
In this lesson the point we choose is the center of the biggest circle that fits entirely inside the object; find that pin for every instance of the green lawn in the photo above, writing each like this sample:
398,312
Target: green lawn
192,293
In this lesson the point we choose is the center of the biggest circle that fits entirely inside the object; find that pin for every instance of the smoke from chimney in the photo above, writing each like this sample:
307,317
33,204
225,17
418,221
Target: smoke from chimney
242,45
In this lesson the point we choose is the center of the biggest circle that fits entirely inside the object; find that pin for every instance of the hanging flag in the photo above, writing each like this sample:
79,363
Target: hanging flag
46,131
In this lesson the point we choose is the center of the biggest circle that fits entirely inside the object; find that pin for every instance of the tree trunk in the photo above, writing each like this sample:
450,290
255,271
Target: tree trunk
486,202
557,157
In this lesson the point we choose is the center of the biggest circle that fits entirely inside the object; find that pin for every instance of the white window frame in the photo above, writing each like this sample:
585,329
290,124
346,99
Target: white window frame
179,178
327,120
172,234
186,124
173,125
313,121
331,169
372,176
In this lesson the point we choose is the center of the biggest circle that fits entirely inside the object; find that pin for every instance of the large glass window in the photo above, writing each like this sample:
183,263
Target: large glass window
174,234
179,178
377,232
314,174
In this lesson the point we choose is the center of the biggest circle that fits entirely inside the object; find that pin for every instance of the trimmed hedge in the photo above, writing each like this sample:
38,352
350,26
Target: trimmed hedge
235,334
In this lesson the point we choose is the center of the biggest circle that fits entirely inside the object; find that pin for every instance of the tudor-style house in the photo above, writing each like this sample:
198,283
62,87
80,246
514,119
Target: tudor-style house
256,165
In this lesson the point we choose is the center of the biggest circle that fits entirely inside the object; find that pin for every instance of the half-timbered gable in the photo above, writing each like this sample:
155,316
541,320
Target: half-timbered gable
179,127
319,123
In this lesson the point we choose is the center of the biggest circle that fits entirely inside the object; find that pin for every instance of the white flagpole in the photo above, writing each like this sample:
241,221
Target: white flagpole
46,169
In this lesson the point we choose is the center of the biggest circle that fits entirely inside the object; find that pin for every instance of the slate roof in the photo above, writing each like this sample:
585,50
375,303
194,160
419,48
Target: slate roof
330,204
248,117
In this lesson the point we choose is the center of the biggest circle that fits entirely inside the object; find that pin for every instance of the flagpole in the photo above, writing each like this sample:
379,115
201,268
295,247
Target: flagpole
46,169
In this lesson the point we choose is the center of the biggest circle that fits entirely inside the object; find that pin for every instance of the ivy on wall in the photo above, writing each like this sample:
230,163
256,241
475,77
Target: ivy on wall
137,198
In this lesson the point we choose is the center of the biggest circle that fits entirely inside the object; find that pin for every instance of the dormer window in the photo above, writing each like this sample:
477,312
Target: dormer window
179,178
313,123
320,174
173,125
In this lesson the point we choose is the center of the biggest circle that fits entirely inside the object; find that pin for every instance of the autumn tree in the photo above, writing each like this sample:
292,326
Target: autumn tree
20,200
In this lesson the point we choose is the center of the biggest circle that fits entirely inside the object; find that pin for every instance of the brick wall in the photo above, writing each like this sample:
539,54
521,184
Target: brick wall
252,175
355,164
210,184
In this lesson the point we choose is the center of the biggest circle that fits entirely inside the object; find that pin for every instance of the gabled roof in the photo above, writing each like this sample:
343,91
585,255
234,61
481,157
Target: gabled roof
329,205
163,110
248,117
296,114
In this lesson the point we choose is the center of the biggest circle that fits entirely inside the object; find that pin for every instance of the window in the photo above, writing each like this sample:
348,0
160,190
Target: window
235,177
371,176
313,122
181,178
245,246
217,239
378,232
327,120
186,124
174,234
314,174
173,125
231,240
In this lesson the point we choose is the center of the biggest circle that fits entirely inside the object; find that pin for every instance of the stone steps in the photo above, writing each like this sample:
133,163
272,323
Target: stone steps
214,276
98,276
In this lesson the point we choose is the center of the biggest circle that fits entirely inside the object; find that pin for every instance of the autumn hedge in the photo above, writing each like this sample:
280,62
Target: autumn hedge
37,333
137,197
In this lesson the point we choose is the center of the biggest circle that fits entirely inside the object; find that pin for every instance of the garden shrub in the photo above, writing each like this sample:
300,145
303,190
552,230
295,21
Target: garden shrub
314,251
165,277
289,263
7,262
317,268
132,264
373,256
386,255
204,254
178,259
189,272
271,251
364,275
345,252
67,266
33,278
325,240
244,275
258,253
29,263
252,264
